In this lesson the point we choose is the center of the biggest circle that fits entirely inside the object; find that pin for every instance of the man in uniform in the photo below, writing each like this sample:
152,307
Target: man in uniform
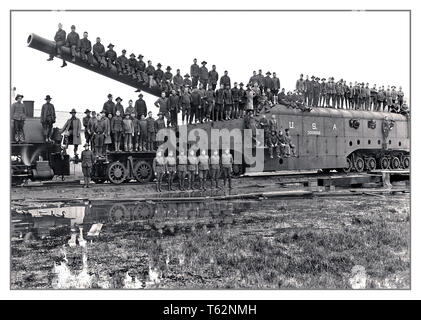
394,96
140,107
88,161
310,91
264,124
340,93
109,106
18,116
117,129
150,72
158,74
260,80
187,83
210,103
316,93
195,103
140,71
204,74
268,82
373,98
192,168
85,49
215,168
159,167
235,92
228,101
110,56
162,105
85,123
178,80
173,107
160,122
72,129
119,107
219,104
48,118
400,96
72,42
130,109
300,84
225,80
273,144
99,131
347,92
122,63
323,88
132,66
168,75
143,128
185,105
151,127
276,85
227,162
182,169
171,169
99,53
203,169
60,40
330,93
282,97
194,72
242,100
213,78
290,147
367,92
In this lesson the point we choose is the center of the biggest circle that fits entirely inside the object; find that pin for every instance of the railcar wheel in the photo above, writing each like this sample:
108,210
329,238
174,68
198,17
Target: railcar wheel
116,172
395,163
117,212
359,164
384,163
143,171
348,167
143,211
371,164
406,162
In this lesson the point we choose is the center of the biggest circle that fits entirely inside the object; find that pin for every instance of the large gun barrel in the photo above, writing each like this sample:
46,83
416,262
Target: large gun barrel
39,43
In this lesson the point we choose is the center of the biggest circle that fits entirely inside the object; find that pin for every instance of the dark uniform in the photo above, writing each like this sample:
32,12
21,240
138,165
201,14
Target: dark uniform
151,127
88,161
48,118
72,42
140,108
159,167
242,100
228,102
85,123
174,108
203,170
225,81
210,102
185,106
213,79
219,105
60,40
109,108
18,117
204,75
215,168
182,170
273,144
227,162
316,93
171,169
122,63
192,168
117,131
194,72
85,51
110,56
235,93
99,54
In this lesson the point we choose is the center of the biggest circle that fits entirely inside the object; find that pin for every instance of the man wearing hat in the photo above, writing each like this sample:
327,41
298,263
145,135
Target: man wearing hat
110,56
173,107
225,80
316,92
88,161
18,116
330,93
242,100
116,129
122,63
267,82
85,123
187,82
119,107
60,40
132,66
151,127
299,85
162,105
140,70
235,93
400,96
185,101
178,80
48,118
72,129
204,75
140,107
72,42
308,97
150,72
194,72
109,105
260,79
159,74
322,96
168,75
99,53
340,94
213,78
85,47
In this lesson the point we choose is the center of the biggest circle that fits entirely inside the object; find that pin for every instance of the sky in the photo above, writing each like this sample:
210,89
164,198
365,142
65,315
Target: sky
356,46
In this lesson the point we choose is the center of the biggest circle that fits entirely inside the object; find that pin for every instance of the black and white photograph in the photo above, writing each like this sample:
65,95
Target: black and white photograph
209,149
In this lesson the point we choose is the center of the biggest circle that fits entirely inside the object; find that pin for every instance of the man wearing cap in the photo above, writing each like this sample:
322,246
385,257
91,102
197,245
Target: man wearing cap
158,74
235,93
151,126
213,78
122,63
85,49
48,118
268,82
168,75
109,105
72,42
140,107
204,75
99,53
88,161
159,166
72,129
178,80
187,82
85,123
182,169
110,56
117,130
18,116
225,80
194,73
119,107
60,40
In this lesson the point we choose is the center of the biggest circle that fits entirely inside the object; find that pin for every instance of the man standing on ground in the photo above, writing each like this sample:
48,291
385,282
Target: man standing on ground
88,161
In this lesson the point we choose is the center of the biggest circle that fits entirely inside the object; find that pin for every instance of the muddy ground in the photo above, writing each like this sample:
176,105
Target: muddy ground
339,242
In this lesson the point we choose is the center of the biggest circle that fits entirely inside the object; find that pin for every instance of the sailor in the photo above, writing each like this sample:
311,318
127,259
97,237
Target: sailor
171,169
99,53
215,168
88,161
194,72
192,168
151,127
85,49
72,42
60,40
159,168
48,118
18,117
213,78
110,56
203,169
227,162
182,169
117,129
85,123
204,74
